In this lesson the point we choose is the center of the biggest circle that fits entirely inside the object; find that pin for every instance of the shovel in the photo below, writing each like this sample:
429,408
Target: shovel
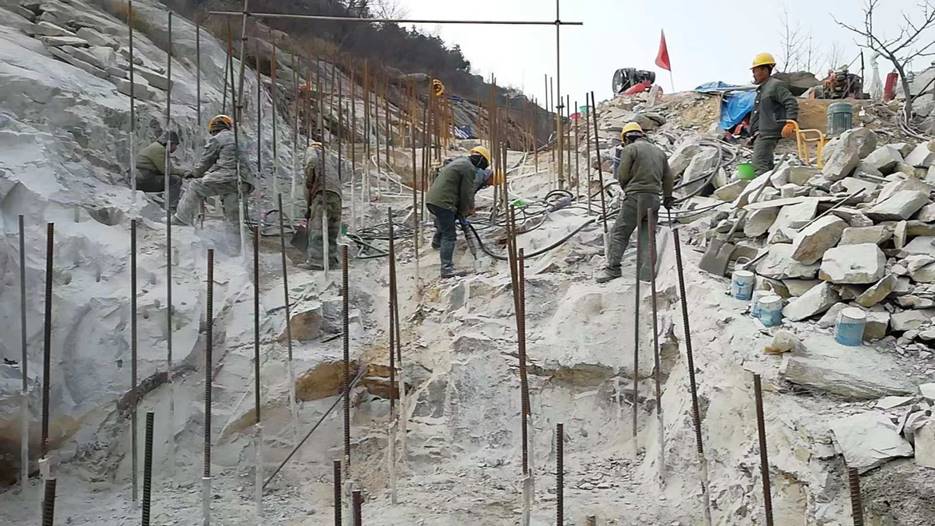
717,255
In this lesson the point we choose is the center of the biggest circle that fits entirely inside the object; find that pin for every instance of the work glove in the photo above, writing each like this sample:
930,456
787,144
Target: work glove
668,202
188,174
788,130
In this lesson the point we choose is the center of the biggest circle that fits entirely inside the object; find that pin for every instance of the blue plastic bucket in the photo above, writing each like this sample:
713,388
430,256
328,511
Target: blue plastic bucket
741,284
757,296
769,311
849,330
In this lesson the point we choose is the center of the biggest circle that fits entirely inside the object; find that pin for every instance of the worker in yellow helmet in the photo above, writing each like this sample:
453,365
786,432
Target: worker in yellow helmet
774,106
324,198
644,175
451,198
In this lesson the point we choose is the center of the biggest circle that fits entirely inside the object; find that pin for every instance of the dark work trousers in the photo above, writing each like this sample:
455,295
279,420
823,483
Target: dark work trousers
447,235
632,212
147,181
763,148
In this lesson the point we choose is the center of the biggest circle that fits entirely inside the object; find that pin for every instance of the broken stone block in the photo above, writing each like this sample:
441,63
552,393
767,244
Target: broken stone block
783,341
812,241
865,138
758,222
878,292
919,229
842,158
877,234
801,174
899,234
48,29
884,159
902,183
96,39
730,191
817,300
911,320
156,80
926,214
64,41
892,402
853,264
900,205
911,301
920,246
797,287
921,268
683,155
925,444
877,325
868,440
830,318
855,373
853,217
778,264
923,155
768,194
306,323
927,391
141,89
78,63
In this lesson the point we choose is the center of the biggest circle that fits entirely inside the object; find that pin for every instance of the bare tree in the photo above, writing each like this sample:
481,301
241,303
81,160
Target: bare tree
791,40
833,57
916,39
388,9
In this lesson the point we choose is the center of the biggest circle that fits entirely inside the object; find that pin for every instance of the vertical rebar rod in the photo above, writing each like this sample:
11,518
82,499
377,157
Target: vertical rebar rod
559,474
558,90
237,102
764,458
857,505
134,347
168,211
336,475
552,114
256,323
358,501
366,128
198,76
636,322
228,64
285,290
657,361
259,115
209,369
392,324
345,295
47,340
275,161
689,353
353,142
24,359
577,154
295,147
48,502
132,104
387,123
243,63
600,169
148,467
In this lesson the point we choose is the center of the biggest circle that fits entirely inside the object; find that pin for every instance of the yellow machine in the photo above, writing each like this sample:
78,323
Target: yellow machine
803,140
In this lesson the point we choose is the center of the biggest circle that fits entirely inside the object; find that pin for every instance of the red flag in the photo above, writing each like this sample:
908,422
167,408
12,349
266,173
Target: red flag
662,58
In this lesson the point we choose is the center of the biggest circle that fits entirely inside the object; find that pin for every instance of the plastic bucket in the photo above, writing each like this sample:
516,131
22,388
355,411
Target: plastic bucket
745,172
741,284
770,310
758,295
840,117
849,329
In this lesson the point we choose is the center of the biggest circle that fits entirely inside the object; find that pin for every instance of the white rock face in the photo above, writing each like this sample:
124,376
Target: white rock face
900,205
853,264
778,264
923,155
816,301
925,444
910,320
868,440
866,234
812,241
884,159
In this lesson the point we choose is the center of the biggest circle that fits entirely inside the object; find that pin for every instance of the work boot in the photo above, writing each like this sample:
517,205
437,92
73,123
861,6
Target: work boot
311,265
607,274
452,273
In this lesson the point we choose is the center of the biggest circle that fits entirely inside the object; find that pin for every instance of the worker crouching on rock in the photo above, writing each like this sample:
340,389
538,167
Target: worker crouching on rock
451,199
775,105
323,195
151,168
643,174
217,174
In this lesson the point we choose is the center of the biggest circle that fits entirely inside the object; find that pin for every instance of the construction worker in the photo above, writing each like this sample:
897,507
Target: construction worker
151,168
323,195
451,199
643,174
217,174
775,105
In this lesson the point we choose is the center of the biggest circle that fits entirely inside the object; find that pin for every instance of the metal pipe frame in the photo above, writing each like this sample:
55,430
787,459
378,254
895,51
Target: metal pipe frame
398,20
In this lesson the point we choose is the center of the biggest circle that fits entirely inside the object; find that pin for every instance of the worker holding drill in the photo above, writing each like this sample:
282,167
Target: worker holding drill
775,105
644,174
451,199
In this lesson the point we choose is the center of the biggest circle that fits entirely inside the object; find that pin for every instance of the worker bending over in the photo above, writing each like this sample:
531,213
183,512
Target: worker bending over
451,198
774,106
643,174
217,174
151,168
323,195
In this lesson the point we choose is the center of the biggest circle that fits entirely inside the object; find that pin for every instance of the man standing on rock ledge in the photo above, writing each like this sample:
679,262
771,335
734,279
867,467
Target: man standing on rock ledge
323,195
151,168
644,174
774,106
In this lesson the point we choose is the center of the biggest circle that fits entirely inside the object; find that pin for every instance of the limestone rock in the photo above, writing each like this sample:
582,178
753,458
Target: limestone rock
927,391
797,287
801,174
900,205
830,318
865,138
851,185
96,39
878,292
853,264
730,191
810,243
923,155
843,154
64,41
920,246
155,79
884,159
816,301
878,324
78,63
48,29
759,221
877,234
683,155
783,341
921,268
856,373
868,440
926,214
853,217
778,264
904,182
925,444
911,320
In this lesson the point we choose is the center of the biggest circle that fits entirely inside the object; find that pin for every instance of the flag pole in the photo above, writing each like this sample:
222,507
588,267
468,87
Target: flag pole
671,81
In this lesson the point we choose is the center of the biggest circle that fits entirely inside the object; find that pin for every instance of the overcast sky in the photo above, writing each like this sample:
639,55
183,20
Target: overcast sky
708,40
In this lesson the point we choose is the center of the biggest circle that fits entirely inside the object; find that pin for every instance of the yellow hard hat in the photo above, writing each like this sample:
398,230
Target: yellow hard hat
438,88
482,151
219,122
763,59
631,127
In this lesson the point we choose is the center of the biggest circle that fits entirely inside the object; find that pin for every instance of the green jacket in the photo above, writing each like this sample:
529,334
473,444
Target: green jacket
453,189
644,168
153,159
773,106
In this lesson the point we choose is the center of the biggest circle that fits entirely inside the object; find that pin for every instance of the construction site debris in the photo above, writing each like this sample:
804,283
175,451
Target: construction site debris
868,440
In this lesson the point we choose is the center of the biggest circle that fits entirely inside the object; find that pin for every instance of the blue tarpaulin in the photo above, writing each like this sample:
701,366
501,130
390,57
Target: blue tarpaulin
735,104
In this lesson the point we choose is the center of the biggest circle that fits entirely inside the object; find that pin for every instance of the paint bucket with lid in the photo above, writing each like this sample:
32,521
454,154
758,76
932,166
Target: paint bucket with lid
769,311
849,329
741,284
